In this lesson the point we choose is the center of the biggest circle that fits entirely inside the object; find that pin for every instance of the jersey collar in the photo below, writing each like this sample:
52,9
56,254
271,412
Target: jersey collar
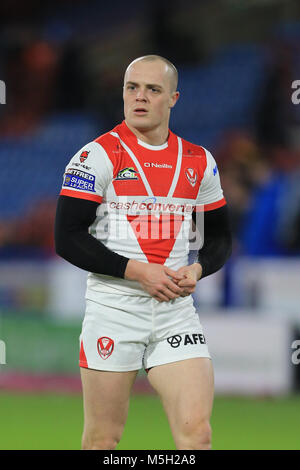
125,131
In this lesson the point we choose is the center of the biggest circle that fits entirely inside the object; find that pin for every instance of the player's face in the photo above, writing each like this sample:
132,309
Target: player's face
148,96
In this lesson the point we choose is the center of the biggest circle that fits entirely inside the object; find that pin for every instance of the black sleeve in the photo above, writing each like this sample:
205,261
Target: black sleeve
217,240
74,243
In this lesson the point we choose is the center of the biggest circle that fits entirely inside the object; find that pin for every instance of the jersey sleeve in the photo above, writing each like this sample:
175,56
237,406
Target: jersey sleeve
210,195
88,174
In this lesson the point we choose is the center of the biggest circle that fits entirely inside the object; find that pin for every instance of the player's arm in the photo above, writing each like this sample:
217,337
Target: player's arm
85,180
74,243
215,251
217,245
217,233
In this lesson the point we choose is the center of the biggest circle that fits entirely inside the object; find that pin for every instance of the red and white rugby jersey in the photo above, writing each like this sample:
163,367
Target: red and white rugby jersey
147,195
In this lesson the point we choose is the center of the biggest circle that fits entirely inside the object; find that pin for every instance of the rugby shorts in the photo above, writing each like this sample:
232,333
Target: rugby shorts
126,332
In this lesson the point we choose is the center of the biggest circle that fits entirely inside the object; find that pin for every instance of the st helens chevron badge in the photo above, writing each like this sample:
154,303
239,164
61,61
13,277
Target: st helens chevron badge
105,347
191,175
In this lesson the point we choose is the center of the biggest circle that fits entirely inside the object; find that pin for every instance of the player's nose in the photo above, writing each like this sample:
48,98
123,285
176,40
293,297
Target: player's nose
141,95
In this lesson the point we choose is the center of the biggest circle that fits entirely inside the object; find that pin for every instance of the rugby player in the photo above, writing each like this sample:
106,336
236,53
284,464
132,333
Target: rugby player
121,195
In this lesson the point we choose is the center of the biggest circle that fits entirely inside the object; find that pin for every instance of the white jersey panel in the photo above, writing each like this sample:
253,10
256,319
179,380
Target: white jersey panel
88,172
210,190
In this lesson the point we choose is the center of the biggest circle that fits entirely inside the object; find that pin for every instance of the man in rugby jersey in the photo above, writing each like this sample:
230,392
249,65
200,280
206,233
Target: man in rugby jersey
125,204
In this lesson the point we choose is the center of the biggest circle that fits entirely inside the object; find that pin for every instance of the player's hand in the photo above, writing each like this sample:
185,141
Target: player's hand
191,274
156,279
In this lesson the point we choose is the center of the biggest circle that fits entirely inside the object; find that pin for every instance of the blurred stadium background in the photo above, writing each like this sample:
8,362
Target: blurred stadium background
63,64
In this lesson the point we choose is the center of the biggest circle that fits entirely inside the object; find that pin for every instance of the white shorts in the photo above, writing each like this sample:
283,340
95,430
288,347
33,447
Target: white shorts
125,332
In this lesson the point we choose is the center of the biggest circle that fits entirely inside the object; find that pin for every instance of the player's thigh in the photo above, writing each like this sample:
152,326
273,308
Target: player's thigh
186,389
106,399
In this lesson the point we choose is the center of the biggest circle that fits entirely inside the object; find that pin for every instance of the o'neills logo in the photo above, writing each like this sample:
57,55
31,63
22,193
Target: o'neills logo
157,165
105,347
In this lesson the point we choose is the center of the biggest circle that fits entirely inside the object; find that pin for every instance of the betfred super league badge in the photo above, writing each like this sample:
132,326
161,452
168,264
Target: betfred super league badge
84,155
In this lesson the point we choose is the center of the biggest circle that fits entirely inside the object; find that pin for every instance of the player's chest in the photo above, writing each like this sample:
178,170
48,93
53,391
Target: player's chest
157,174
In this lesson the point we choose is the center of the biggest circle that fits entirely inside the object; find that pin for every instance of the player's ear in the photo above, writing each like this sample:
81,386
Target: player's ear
174,98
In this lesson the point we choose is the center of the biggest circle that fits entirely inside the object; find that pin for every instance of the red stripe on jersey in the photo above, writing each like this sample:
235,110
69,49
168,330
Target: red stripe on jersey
210,207
193,166
156,235
120,160
80,195
158,165
82,357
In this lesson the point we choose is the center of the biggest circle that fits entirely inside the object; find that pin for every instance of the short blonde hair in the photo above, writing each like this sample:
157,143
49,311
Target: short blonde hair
172,68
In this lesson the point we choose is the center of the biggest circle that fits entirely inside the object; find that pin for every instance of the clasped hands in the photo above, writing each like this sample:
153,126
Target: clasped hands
163,283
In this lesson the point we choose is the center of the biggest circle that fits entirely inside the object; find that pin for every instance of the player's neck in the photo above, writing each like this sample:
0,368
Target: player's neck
157,136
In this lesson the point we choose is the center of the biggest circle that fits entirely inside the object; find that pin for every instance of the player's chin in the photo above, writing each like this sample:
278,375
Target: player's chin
142,122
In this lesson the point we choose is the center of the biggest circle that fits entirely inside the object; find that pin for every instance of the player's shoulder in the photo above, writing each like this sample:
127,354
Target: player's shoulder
105,138
92,154
108,139
197,153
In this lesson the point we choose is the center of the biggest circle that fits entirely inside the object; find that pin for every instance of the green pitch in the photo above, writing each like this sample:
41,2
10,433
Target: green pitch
55,422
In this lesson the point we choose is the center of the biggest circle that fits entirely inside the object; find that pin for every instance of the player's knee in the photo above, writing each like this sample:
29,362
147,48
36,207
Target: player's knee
204,435
92,441
196,434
